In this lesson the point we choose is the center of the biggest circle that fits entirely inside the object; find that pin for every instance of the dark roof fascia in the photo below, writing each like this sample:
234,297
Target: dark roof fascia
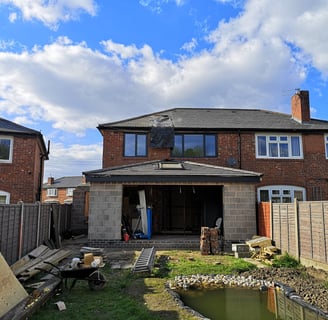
172,179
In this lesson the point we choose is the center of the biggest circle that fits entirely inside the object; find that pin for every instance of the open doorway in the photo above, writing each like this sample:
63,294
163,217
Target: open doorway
175,209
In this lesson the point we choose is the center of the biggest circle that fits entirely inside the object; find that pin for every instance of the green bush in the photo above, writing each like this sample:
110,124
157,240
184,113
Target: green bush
286,261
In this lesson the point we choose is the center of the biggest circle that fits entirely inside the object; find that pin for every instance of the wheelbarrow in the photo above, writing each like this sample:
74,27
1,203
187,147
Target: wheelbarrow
96,280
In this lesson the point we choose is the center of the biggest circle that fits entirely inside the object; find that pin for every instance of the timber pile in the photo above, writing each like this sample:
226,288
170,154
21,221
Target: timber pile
30,265
261,248
209,241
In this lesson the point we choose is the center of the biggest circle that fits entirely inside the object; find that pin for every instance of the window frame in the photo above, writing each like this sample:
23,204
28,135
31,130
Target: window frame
69,192
326,145
204,136
277,143
137,135
52,192
6,195
10,158
281,188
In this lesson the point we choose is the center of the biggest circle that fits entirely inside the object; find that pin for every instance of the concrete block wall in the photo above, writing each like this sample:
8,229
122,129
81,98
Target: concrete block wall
239,212
105,213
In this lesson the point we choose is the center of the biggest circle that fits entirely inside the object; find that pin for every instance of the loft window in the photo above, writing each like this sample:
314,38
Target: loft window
52,192
135,145
194,145
6,149
280,194
279,146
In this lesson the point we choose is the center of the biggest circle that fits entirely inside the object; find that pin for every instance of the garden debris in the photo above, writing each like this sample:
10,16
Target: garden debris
30,265
261,248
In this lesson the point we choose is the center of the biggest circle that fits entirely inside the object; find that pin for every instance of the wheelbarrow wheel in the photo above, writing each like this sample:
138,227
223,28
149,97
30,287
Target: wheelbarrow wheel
96,281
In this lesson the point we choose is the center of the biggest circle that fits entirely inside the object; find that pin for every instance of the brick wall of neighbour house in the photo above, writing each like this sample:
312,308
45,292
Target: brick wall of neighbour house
239,212
21,177
301,229
61,195
105,213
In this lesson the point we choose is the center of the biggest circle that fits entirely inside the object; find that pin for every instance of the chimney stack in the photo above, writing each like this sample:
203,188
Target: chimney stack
301,106
50,181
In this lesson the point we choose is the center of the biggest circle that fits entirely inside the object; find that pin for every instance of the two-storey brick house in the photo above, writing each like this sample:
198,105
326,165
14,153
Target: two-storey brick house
22,156
197,164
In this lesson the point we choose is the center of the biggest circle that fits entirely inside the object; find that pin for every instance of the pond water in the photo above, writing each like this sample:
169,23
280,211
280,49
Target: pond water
231,303
249,304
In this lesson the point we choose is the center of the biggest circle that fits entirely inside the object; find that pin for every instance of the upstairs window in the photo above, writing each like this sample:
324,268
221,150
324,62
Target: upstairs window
52,192
194,145
6,149
69,192
280,194
135,145
279,146
326,145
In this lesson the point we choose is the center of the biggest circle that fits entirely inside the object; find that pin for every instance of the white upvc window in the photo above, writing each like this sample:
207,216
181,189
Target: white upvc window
4,197
326,145
6,149
69,192
280,193
52,192
279,146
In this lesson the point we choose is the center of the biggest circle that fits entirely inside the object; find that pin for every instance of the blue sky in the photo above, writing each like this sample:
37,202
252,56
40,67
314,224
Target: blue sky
67,66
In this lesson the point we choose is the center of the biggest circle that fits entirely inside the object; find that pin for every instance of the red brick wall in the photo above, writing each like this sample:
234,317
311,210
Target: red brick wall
312,171
21,177
264,219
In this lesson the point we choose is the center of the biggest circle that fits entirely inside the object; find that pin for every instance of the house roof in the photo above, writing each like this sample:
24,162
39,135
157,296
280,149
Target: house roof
216,119
10,128
170,171
64,182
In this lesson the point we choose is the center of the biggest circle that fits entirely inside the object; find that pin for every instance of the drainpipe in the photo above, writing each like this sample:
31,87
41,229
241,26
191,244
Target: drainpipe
42,157
239,148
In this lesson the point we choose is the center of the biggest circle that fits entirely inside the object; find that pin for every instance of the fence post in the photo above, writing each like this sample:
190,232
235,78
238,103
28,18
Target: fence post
38,225
21,228
297,235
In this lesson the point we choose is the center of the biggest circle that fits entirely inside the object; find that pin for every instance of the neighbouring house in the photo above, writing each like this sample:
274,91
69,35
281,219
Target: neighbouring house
194,165
22,155
61,190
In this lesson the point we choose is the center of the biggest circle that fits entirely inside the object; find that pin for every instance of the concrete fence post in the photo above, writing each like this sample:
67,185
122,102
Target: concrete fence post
21,230
297,234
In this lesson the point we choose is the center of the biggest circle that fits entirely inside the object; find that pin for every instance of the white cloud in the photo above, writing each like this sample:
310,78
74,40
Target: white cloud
51,13
72,160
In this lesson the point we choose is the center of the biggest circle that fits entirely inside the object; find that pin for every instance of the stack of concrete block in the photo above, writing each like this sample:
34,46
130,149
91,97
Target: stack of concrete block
241,250
209,241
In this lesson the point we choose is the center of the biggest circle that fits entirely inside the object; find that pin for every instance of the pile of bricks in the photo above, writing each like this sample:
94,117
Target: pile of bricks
209,241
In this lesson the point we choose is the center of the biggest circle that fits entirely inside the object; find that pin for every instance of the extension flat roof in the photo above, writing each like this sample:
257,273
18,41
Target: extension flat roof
170,171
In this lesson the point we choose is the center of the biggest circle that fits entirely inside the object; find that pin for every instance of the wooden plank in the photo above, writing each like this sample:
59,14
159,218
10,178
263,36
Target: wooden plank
259,242
11,291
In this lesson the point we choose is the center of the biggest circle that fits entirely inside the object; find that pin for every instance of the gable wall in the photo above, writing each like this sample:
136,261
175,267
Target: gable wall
239,212
105,213
21,177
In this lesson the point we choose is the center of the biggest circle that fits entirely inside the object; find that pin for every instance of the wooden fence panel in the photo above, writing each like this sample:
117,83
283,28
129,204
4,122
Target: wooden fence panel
23,227
301,229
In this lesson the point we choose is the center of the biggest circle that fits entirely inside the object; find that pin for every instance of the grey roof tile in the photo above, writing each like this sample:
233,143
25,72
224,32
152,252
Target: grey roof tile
216,119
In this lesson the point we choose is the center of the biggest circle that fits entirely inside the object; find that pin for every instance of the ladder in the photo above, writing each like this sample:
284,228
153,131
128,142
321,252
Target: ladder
145,261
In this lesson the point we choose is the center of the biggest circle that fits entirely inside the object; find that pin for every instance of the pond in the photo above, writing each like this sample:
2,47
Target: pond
230,303
248,304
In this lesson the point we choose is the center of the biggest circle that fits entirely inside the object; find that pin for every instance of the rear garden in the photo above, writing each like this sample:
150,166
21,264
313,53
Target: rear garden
145,296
